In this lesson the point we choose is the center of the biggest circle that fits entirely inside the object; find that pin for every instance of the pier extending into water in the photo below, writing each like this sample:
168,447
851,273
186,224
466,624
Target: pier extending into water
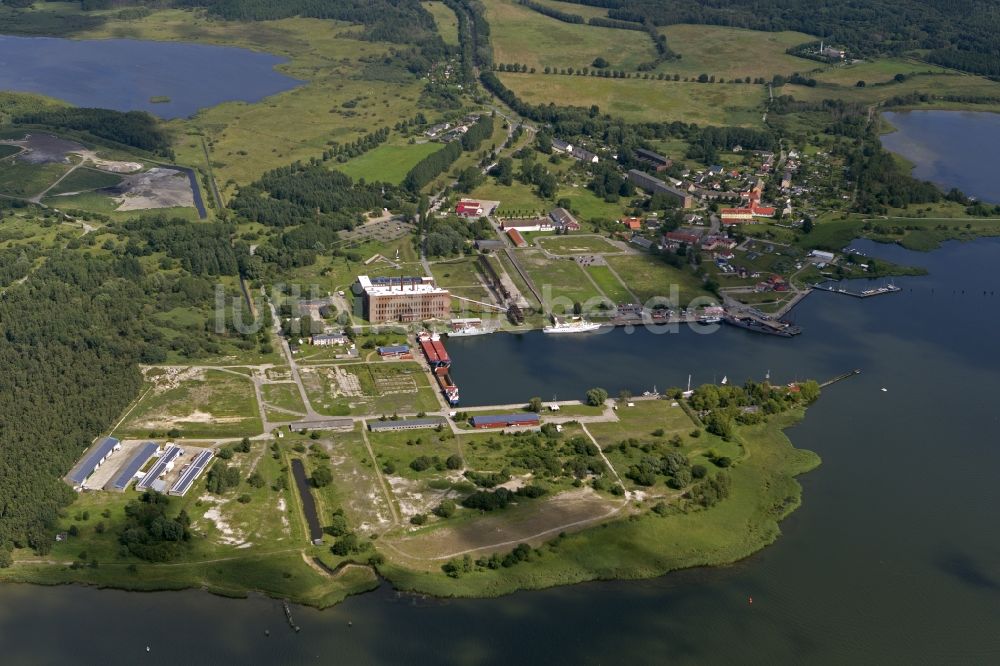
867,293
840,378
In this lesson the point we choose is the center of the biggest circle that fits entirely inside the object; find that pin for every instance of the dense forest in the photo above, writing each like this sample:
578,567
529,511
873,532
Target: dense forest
137,129
73,325
964,34
71,337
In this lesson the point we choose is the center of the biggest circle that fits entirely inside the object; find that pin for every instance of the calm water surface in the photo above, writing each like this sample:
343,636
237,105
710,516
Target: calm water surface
950,148
894,557
123,74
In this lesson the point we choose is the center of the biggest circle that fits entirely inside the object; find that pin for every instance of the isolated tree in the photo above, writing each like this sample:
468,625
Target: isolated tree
322,477
535,405
596,397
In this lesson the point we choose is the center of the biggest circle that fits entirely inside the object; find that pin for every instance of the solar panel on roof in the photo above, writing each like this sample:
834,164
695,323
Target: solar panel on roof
159,468
132,467
192,472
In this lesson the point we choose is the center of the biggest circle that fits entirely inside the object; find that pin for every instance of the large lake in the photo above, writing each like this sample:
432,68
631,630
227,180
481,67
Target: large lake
950,148
124,74
894,557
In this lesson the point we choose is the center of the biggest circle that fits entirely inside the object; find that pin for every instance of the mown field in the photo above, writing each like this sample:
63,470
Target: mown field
643,100
520,35
648,277
733,52
447,23
387,163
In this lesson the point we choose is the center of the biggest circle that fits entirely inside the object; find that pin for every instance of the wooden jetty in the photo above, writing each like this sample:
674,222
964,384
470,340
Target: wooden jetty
867,293
840,378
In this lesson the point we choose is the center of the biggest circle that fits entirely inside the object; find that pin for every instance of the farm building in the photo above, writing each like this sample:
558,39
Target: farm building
536,224
516,238
130,469
93,459
404,424
469,208
562,219
504,420
339,425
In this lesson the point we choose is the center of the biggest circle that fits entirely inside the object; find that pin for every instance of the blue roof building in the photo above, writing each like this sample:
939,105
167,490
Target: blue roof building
93,459
132,467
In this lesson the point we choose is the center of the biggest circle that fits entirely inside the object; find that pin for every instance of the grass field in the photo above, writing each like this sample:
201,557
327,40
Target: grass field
387,163
646,100
284,397
210,403
558,278
515,199
733,52
609,284
23,179
577,244
520,35
447,23
842,85
85,179
8,150
649,277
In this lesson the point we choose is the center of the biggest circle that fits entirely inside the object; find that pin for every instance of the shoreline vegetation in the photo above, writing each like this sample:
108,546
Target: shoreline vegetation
597,494
637,542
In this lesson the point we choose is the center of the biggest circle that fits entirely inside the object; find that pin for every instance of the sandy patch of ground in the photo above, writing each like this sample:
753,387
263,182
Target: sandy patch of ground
229,535
157,188
164,379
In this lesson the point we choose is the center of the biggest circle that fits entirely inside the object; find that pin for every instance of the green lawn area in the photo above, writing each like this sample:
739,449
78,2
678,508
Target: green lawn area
210,403
388,163
24,179
283,396
523,36
515,199
587,206
733,52
649,277
640,100
447,23
577,244
84,179
558,279
7,150
609,284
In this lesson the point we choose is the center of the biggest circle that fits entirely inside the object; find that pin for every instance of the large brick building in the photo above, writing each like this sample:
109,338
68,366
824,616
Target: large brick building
403,299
